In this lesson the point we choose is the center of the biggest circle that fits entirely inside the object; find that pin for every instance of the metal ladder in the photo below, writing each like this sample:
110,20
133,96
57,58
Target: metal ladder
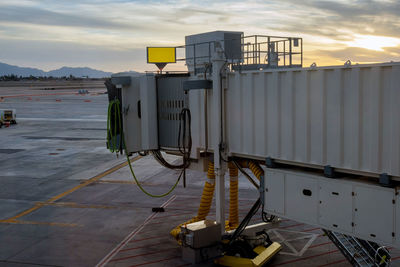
358,252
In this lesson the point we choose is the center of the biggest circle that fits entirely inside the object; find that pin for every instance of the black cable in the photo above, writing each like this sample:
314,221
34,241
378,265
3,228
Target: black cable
159,157
265,218
221,112
186,155
246,174
182,121
184,128
243,224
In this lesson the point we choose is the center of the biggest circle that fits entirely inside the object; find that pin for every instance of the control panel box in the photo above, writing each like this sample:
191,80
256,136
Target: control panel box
139,111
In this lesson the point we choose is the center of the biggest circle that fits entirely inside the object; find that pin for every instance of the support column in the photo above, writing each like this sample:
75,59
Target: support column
218,62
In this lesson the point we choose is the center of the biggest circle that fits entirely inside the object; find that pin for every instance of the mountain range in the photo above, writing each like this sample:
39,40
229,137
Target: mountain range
6,69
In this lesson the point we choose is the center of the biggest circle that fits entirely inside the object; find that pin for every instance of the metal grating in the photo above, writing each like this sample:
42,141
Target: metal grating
360,253
171,101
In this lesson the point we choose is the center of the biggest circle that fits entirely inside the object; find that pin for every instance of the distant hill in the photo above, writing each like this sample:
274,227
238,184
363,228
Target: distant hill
6,69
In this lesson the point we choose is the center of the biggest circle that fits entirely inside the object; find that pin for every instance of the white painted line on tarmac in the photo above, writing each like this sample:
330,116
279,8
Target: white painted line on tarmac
301,235
61,119
129,237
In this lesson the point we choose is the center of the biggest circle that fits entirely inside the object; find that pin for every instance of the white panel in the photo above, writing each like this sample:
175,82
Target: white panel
397,220
352,122
248,114
317,116
332,205
335,209
273,115
301,116
259,114
148,98
334,117
394,109
274,192
131,121
287,117
301,198
374,211
339,116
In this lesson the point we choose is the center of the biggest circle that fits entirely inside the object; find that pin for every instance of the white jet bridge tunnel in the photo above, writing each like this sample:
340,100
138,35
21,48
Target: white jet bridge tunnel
323,142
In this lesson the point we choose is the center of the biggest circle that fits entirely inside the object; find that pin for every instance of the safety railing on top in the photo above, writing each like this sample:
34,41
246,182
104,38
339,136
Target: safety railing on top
256,52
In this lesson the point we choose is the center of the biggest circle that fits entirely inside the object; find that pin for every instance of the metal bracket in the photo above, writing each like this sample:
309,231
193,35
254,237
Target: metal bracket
125,110
329,172
385,180
270,162
197,84
261,189
122,80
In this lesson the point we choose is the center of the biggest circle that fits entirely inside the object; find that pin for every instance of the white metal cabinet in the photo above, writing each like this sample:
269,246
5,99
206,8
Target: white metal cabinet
354,207
301,198
335,205
275,192
131,115
374,211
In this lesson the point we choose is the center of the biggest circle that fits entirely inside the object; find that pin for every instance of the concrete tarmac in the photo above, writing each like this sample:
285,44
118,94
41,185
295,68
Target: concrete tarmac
66,201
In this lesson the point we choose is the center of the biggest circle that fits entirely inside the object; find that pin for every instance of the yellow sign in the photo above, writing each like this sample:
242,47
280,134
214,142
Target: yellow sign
161,55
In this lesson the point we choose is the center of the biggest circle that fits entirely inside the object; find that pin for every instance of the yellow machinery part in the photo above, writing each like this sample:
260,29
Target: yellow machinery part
205,202
256,169
234,261
264,255
208,193
233,221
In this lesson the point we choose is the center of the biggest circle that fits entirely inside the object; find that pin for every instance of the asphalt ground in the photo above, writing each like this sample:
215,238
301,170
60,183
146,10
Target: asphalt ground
66,201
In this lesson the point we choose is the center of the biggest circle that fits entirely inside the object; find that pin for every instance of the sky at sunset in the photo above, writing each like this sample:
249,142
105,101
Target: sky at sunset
112,35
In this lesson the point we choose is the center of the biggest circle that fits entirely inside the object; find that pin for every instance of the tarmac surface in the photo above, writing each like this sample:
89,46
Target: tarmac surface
65,200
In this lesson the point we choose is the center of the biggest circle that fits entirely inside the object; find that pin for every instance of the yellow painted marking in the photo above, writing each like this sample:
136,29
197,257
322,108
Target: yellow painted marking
40,223
91,180
87,182
122,182
115,182
36,207
81,206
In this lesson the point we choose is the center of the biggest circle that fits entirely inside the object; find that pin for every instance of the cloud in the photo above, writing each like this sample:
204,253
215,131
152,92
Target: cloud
113,28
360,16
33,15
52,54
361,55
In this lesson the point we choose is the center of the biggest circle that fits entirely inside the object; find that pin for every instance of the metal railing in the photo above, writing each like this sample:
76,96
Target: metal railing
256,52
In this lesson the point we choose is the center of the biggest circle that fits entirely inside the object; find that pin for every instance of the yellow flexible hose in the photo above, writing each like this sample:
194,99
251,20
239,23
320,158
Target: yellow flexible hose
205,202
208,193
233,221
255,169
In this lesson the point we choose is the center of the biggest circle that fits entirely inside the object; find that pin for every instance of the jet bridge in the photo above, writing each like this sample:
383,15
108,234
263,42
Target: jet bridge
327,138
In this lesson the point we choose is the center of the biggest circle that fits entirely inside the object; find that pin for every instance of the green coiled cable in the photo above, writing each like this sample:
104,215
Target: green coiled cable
112,136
